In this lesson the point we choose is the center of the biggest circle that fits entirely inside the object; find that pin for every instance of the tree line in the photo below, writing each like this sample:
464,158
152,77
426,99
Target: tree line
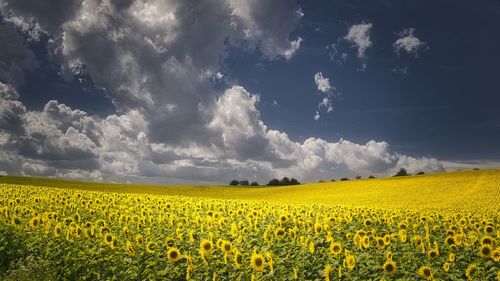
273,182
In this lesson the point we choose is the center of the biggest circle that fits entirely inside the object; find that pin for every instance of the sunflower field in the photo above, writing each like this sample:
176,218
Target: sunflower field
353,234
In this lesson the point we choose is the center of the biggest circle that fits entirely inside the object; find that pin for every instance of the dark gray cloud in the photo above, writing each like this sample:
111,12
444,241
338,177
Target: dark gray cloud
15,57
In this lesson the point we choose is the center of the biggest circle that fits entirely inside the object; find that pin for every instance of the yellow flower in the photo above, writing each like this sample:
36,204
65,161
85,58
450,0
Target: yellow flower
350,262
327,271
425,272
495,255
238,259
469,272
226,247
335,248
150,248
311,247
390,267
485,251
173,254
257,262
130,248
446,267
434,253
388,255
451,257
206,246
317,228
139,239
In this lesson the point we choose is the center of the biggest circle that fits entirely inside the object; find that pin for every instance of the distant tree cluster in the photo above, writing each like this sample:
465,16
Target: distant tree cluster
283,181
243,183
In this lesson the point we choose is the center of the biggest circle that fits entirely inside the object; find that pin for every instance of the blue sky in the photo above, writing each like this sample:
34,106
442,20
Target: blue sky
180,92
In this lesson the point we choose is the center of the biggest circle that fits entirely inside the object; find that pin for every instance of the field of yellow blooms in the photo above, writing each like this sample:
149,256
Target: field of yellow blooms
430,227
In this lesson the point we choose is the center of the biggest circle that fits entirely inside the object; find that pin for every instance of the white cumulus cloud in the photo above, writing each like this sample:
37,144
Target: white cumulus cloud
359,36
409,43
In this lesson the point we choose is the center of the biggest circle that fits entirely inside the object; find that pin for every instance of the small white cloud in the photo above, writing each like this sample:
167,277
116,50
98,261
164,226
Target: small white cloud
359,35
294,46
409,43
316,116
323,83
326,103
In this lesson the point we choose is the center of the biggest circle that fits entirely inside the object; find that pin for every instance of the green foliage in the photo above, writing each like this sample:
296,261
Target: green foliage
30,268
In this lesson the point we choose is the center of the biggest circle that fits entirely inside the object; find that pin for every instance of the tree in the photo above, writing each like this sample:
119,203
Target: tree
401,173
371,177
285,181
358,177
294,181
333,180
321,181
344,179
234,183
254,183
420,173
244,183
274,182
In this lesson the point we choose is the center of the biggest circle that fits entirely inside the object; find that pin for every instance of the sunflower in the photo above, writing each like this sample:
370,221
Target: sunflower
279,232
389,255
487,240
335,248
138,239
449,241
366,242
489,229
238,259
387,239
433,253
206,246
257,261
317,228
226,247
311,247
58,230
350,262
469,271
173,254
390,267
425,272
327,271
451,257
380,242
34,222
485,251
130,248
108,238
150,248
495,255
446,266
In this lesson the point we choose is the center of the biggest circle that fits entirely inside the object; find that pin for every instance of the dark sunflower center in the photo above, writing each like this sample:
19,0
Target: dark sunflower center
173,254
486,251
427,272
389,267
336,248
258,261
206,246
227,247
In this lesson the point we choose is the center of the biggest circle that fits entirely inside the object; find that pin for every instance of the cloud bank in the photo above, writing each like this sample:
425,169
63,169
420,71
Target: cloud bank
171,125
